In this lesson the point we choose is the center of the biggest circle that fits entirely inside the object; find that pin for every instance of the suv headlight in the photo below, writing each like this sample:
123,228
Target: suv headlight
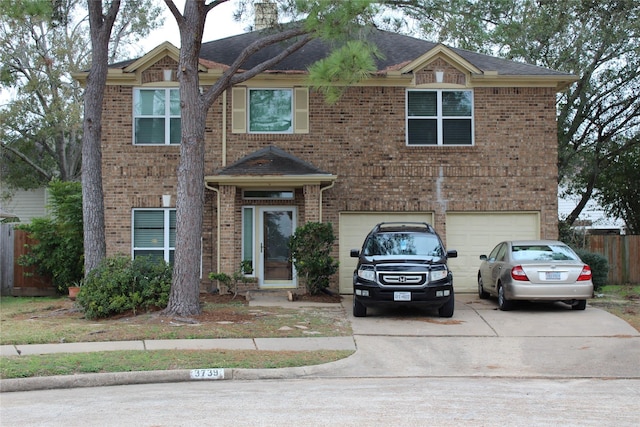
366,272
436,275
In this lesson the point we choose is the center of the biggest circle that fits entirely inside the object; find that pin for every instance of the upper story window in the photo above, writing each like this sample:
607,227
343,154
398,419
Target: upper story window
439,117
273,110
270,110
156,116
154,233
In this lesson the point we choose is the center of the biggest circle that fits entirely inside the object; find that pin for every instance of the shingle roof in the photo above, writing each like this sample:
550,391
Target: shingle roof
270,160
397,49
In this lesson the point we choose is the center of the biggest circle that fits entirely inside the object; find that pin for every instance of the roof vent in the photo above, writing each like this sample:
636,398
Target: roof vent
266,15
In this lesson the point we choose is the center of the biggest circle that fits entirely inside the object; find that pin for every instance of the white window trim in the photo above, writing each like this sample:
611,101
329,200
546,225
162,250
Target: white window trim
167,116
293,111
166,249
439,118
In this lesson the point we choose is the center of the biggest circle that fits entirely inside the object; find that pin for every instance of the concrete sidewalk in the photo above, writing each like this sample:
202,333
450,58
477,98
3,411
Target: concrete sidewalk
264,344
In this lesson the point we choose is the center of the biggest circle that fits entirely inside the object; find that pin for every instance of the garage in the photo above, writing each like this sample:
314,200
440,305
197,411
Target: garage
473,234
354,227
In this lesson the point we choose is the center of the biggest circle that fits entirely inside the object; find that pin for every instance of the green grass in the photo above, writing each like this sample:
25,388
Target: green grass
129,361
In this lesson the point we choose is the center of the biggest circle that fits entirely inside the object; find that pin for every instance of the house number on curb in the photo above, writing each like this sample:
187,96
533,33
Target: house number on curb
207,374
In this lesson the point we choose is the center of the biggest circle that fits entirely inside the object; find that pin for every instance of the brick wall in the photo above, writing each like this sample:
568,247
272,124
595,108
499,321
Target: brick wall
361,139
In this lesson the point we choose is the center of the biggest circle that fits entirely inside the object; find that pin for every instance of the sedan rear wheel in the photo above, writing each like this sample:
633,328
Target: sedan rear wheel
503,303
481,292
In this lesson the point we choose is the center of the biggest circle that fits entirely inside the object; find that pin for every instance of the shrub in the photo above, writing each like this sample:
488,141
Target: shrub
119,284
310,252
576,237
59,249
231,282
599,267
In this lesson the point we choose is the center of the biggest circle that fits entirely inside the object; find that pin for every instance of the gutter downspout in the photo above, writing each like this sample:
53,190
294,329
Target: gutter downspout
322,191
224,163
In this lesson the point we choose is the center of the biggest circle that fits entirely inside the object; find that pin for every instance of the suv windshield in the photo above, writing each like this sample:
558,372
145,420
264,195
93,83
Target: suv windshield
420,244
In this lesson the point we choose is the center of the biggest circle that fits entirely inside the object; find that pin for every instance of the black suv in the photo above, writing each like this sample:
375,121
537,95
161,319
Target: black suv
403,263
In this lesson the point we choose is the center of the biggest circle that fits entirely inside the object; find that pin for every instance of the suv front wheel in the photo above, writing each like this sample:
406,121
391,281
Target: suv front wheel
447,309
359,310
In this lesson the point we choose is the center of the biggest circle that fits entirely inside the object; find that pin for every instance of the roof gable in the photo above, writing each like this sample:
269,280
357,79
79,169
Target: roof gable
153,56
444,53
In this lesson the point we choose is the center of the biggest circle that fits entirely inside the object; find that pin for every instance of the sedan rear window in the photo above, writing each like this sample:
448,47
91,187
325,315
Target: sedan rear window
543,253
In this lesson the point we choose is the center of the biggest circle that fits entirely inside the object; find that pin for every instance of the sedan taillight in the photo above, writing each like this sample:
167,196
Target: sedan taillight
585,274
517,273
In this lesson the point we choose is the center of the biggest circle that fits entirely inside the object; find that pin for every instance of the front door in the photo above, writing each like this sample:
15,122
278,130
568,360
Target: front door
276,226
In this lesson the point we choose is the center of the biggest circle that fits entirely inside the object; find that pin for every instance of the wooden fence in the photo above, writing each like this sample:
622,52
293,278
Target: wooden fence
623,254
15,279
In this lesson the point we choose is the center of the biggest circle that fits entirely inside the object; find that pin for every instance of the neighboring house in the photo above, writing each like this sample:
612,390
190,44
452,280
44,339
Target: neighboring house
464,141
24,204
593,218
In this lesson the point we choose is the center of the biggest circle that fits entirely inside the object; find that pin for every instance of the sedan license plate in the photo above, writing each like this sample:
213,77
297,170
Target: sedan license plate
402,296
552,275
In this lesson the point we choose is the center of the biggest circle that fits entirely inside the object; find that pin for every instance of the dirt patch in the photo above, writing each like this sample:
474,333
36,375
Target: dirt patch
325,298
622,301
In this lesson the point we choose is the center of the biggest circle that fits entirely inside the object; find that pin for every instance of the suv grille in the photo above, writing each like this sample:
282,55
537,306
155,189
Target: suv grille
402,279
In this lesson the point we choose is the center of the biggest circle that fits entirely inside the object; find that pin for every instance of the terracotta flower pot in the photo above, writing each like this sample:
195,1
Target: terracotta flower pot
73,292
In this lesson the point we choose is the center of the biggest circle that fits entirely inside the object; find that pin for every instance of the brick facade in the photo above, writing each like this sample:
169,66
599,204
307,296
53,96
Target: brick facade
361,140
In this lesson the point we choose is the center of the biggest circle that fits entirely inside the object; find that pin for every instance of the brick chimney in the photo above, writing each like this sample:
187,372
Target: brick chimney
266,15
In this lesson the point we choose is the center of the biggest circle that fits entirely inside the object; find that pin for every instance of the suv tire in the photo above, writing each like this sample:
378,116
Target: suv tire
359,310
447,309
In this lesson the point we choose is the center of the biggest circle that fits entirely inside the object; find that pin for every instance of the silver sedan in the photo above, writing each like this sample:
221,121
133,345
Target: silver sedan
534,270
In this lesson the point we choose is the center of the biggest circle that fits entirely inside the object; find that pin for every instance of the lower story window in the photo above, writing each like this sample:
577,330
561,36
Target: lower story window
154,233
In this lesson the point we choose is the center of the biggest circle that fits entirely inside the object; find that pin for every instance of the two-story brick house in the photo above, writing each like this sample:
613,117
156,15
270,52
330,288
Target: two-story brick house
464,141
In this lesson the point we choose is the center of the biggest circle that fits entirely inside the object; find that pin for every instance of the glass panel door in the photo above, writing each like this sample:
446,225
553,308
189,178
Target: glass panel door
276,227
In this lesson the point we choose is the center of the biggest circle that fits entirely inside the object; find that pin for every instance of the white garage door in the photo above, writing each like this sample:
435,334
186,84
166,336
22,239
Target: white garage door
474,234
354,227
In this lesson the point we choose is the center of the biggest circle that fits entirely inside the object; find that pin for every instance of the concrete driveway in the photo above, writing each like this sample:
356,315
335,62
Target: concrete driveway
535,340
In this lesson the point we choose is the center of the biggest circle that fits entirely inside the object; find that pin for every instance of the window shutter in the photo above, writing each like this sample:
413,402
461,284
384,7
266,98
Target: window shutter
239,110
301,110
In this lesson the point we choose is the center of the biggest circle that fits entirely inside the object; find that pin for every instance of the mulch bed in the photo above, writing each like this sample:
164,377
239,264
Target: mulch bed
228,298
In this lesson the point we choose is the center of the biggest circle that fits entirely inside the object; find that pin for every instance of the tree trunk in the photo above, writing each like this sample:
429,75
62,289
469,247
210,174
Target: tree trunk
92,194
184,298
586,196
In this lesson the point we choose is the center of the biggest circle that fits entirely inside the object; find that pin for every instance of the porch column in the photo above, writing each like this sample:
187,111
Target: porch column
228,241
311,203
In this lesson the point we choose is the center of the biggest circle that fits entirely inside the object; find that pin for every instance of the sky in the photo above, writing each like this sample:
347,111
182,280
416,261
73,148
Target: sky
219,24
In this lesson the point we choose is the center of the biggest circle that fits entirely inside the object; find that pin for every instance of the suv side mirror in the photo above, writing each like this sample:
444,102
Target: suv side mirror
452,254
355,253
483,257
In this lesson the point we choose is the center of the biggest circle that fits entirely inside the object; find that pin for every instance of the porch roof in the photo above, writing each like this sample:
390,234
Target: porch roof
268,167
